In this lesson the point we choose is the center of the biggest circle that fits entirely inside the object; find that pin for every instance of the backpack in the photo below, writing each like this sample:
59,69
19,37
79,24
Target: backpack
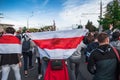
26,45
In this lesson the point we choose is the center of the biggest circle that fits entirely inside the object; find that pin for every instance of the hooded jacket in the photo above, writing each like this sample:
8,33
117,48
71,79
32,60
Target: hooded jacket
103,63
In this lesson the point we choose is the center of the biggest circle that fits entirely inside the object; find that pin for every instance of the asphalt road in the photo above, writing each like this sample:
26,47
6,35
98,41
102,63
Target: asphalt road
83,73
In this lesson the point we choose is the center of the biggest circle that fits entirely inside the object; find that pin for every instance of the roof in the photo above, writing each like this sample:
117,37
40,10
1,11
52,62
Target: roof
6,24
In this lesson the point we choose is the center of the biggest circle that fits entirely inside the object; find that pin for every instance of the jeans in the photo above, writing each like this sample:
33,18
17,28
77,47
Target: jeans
74,68
44,65
39,65
26,56
6,70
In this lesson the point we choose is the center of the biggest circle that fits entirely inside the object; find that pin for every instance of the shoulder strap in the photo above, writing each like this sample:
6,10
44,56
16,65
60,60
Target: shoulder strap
117,54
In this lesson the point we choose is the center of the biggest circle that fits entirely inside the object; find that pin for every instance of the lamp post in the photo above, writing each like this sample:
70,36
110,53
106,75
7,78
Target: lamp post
28,20
100,26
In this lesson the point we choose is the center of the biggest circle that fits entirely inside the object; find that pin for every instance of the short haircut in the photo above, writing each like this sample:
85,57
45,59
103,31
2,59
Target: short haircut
115,35
10,30
102,36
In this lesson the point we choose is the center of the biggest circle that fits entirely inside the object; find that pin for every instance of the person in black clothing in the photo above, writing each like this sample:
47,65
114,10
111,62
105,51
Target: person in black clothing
103,61
27,46
91,46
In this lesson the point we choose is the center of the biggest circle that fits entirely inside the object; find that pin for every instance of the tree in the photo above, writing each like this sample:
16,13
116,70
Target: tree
80,27
90,26
33,30
111,16
24,29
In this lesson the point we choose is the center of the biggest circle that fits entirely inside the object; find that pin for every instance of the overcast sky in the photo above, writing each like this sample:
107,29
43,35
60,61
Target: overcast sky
42,12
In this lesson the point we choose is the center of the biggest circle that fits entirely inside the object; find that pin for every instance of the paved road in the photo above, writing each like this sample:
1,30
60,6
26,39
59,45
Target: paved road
31,76
83,74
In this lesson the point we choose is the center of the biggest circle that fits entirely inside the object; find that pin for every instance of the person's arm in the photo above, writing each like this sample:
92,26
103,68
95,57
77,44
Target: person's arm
20,61
91,64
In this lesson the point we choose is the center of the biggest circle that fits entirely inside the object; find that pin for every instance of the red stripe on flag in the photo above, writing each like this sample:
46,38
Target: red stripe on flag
59,43
9,39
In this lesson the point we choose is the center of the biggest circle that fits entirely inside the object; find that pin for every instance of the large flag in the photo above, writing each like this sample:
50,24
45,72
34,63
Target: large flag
9,44
58,44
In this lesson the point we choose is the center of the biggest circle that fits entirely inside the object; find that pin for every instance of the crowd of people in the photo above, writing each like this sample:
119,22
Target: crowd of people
100,49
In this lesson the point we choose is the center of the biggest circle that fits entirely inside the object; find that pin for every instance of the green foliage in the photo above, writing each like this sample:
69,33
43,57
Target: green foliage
80,27
111,16
33,30
24,29
90,26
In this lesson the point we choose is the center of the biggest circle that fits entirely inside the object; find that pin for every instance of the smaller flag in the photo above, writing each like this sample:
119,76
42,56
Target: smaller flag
9,44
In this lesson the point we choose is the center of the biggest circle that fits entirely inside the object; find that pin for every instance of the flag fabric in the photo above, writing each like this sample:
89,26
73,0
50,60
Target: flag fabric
57,74
9,44
58,44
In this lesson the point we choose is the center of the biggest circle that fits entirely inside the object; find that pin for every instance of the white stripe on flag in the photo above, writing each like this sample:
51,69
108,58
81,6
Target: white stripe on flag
10,48
57,34
56,53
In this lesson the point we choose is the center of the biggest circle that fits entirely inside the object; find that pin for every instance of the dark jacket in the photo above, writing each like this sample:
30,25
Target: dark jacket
91,47
103,63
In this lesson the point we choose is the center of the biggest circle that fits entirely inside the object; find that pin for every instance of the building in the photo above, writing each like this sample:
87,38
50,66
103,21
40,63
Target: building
3,26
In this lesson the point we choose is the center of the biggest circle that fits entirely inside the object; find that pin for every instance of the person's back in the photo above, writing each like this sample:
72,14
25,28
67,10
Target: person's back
26,45
10,51
103,62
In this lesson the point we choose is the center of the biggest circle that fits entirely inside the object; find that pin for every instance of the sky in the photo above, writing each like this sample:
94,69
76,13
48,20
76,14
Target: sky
38,13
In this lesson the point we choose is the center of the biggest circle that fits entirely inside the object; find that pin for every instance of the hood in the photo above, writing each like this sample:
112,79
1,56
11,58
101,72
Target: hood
104,49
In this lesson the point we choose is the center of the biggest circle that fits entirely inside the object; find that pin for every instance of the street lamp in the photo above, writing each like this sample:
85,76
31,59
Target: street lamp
28,20
100,26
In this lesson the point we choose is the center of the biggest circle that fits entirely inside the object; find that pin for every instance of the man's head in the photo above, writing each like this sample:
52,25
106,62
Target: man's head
10,30
103,38
116,35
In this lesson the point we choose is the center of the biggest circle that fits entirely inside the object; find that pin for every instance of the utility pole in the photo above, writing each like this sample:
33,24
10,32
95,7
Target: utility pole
100,25
28,19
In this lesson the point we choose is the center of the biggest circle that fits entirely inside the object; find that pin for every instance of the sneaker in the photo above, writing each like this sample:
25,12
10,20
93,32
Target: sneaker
26,73
39,77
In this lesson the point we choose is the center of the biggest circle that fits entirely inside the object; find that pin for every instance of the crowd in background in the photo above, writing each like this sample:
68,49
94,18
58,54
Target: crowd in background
99,51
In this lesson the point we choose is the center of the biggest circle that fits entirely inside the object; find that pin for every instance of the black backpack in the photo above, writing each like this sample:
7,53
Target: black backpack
26,45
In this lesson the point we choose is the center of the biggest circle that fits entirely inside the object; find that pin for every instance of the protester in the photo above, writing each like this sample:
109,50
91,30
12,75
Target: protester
74,62
38,61
110,31
115,40
10,55
27,46
19,35
89,38
102,62
91,46
116,43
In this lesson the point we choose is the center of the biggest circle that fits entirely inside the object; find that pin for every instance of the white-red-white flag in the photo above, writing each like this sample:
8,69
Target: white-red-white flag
58,44
9,44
